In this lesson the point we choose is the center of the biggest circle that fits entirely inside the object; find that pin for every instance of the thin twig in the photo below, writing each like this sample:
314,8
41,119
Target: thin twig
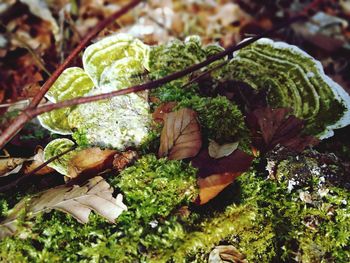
205,73
15,183
19,102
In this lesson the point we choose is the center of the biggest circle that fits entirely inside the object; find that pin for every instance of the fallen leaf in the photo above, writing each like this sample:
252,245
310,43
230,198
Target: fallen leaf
38,160
77,201
211,186
221,254
122,160
237,162
10,165
161,111
40,9
271,127
180,137
90,161
2,95
323,31
217,151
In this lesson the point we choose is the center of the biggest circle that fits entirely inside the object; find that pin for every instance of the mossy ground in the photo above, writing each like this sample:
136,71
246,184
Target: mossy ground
265,220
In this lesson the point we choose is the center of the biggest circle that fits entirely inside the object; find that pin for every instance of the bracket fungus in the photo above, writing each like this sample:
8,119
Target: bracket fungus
295,80
57,147
110,64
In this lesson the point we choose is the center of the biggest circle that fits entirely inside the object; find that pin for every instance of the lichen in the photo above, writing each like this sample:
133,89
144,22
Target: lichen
172,57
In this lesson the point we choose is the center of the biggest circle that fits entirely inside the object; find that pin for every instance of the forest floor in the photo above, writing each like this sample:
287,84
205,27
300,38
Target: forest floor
37,36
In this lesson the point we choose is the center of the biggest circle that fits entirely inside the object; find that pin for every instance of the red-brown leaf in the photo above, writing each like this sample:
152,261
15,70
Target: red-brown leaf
211,186
271,127
180,137
161,111
237,162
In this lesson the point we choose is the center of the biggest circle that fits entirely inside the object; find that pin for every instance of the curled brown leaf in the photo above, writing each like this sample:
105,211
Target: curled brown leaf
90,161
38,160
123,159
216,174
229,253
10,165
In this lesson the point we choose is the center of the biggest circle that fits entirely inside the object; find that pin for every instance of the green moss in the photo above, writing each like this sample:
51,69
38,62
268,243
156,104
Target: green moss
268,222
154,190
172,57
294,80
220,119
272,224
80,138
4,207
238,225
307,230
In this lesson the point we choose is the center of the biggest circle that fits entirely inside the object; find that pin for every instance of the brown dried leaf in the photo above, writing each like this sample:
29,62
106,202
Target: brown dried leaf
40,9
180,137
217,151
221,254
271,127
160,113
10,165
90,161
237,162
38,160
211,186
78,201
124,159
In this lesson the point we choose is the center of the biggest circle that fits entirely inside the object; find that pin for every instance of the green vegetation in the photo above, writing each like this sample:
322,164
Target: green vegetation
171,57
294,80
154,191
220,119
299,213
268,221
